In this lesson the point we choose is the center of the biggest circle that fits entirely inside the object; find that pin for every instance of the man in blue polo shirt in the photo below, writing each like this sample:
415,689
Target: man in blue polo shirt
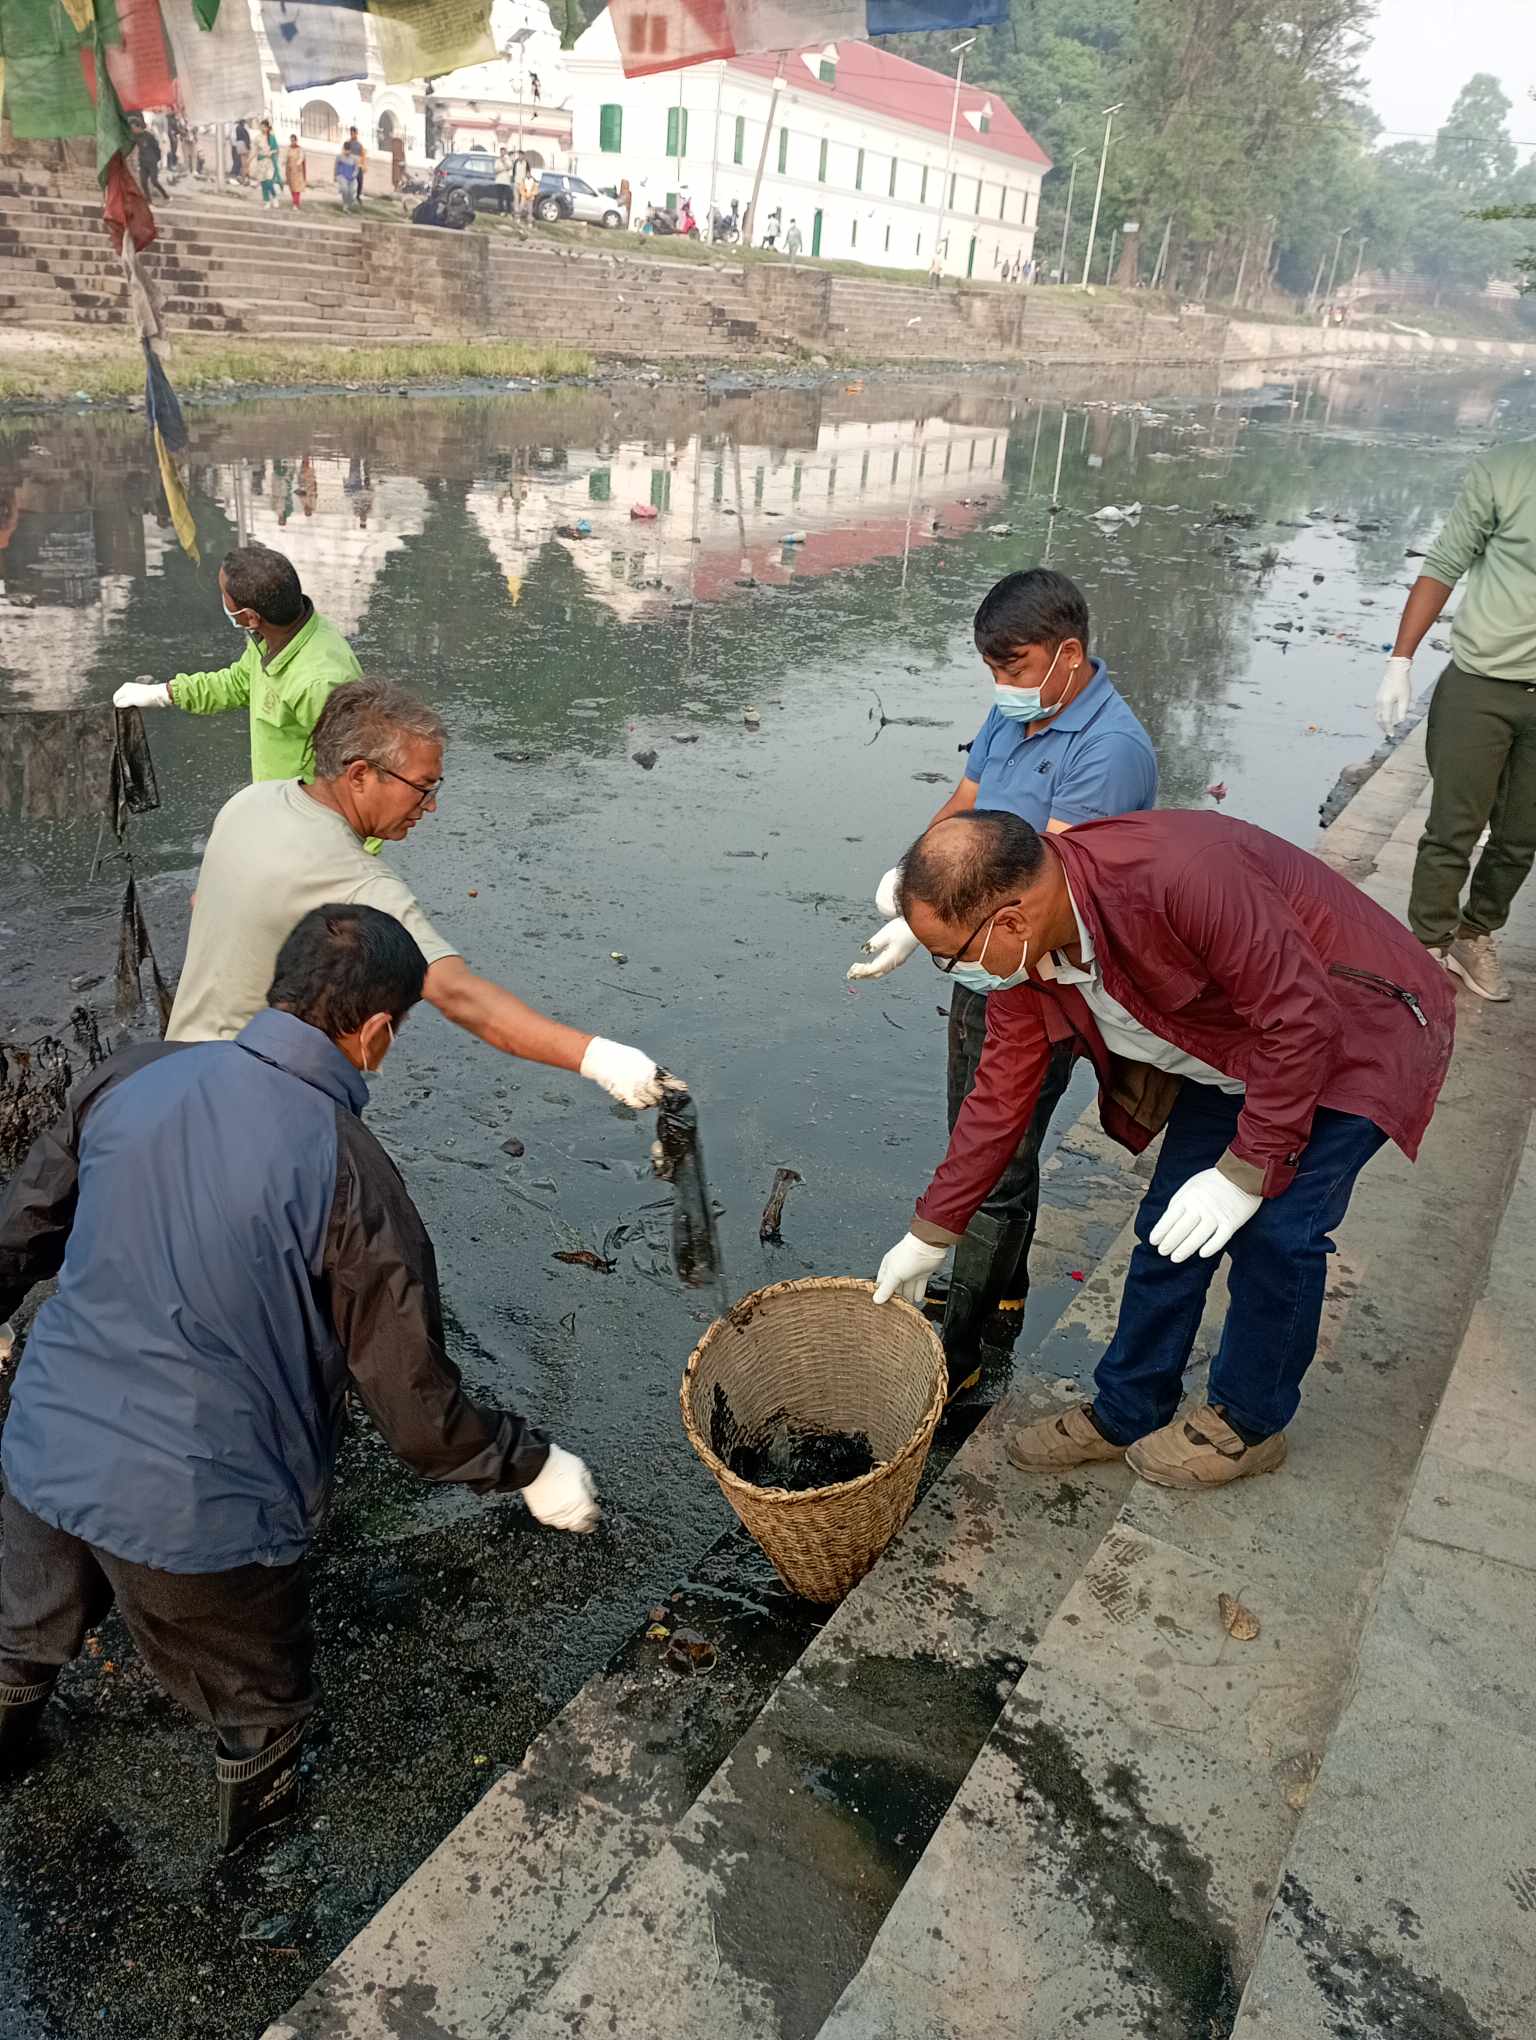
1059,746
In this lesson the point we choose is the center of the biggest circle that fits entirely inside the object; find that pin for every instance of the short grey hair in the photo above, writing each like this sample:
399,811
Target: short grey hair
373,720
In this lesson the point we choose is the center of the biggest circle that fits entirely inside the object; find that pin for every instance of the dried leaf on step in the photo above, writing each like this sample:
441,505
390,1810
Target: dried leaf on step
1240,1623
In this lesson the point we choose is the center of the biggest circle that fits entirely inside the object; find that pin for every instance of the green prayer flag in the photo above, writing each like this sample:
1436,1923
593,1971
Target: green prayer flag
207,12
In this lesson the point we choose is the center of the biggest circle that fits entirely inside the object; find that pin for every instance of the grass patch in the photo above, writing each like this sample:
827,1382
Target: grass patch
116,369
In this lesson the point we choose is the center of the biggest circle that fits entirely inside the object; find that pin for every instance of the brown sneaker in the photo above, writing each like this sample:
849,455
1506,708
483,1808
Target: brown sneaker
1202,1450
1072,1439
1475,960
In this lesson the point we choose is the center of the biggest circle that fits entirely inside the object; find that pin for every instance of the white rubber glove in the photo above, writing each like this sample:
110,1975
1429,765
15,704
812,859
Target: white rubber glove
1202,1216
906,1268
1395,695
7,1344
628,1074
143,694
888,948
561,1494
885,893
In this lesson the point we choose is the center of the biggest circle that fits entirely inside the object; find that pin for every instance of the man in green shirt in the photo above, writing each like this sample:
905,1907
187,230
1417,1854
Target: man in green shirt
1482,718
292,659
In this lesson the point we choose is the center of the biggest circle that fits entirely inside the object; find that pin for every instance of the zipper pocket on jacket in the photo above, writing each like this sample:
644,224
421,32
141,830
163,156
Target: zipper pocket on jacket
1370,977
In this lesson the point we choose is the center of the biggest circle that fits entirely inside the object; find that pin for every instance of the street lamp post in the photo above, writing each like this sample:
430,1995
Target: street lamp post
1066,225
1098,196
749,224
519,40
959,51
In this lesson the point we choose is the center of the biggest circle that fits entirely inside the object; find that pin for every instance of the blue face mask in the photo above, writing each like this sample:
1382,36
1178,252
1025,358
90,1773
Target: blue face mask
975,979
230,617
1023,704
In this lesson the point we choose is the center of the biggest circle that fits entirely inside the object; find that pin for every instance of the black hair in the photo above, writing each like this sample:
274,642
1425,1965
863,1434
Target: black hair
967,862
342,964
258,578
1037,607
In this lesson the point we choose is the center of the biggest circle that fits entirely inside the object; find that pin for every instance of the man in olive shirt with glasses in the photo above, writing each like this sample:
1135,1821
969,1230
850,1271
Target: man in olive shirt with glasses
282,847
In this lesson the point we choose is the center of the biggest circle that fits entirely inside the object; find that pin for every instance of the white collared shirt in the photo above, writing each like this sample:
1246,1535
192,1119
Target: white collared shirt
1124,1035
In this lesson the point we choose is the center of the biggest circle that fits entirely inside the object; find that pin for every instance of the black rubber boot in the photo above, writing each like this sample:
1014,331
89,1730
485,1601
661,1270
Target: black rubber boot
21,1713
981,1314
258,1790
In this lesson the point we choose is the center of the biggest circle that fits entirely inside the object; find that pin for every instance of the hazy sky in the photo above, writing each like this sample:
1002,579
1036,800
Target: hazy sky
1425,50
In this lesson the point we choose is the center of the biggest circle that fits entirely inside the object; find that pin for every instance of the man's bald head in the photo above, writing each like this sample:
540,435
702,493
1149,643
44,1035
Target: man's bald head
973,867
969,863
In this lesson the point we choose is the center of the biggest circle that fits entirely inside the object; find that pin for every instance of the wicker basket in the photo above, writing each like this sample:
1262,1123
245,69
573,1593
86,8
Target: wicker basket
821,1351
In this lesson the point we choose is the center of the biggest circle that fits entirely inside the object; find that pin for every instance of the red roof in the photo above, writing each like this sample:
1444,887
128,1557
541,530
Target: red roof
872,78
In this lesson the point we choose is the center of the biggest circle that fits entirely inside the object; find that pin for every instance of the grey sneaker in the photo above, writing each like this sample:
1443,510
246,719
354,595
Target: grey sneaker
1475,961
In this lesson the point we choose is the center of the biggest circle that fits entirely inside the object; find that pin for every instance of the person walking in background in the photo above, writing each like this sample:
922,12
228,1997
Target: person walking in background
935,270
295,171
626,199
792,241
346,180
146,151
235,1255
353,147
396,148
1482,717
268,165
239,152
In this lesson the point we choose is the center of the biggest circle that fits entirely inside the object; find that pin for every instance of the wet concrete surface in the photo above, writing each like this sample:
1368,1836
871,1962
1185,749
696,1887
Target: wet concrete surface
734,881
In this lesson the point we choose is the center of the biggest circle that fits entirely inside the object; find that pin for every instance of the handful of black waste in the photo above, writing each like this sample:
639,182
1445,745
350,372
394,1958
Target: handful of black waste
678,1158
776,1453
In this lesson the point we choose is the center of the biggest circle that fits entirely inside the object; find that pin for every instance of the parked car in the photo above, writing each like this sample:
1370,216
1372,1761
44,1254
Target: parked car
572,198
478,175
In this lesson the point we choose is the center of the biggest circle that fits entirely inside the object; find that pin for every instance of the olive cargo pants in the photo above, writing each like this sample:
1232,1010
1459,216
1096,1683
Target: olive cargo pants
1482,755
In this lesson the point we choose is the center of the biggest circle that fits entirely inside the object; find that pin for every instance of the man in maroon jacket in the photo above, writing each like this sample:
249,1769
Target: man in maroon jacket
1231,988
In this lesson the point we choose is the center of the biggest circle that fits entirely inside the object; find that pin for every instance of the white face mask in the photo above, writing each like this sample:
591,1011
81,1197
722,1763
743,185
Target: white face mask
1023,704
976,979
373,1069
230,617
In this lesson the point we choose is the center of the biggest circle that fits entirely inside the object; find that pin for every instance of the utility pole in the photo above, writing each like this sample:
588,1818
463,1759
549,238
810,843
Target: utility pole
749,224
1162,254
1317,282
1237,288
1066,225
1109,267
714,154
678,159
1098,196
1333,274
959,51
1359,265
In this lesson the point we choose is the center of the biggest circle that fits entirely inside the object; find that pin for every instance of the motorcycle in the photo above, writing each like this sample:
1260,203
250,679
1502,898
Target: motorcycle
659,221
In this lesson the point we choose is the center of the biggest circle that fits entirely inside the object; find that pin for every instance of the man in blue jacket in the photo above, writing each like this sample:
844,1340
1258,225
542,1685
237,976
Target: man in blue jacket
1059,746
234,1250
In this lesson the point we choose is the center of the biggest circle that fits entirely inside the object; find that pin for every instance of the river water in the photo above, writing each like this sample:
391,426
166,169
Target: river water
483,550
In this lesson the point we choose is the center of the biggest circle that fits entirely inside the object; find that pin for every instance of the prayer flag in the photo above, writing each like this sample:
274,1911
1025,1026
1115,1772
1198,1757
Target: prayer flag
664,35
316,42
425,38
218,69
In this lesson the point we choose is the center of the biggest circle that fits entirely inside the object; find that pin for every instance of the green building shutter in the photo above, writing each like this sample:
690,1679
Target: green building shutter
821,165
610,130
739,147
783,150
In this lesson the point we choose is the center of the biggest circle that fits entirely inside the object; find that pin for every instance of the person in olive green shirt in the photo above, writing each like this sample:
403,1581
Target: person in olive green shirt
292,659
1482,718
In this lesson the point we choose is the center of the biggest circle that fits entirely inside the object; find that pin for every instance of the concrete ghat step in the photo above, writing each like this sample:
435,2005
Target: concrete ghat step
1109,1864
1406,1901
476,1937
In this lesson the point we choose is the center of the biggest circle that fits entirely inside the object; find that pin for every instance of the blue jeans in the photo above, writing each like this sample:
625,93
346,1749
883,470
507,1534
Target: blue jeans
1277,1278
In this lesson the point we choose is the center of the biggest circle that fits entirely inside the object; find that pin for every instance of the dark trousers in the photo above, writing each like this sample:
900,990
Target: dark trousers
1277,1277
1482,755
1016,1198
235,1648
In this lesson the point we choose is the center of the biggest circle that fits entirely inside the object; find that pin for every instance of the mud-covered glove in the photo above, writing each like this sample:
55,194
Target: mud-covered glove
7,1345
143,693
628,1074
1395,694
887,949
561,1494
1202,1216
906,1268
885,893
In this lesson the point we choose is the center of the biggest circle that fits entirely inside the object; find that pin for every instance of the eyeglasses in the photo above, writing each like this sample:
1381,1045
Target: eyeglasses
427,792
946,964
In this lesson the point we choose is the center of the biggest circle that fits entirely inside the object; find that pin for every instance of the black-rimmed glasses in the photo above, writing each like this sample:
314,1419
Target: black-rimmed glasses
946,964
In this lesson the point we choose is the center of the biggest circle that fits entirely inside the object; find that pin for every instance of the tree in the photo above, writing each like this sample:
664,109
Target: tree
1473,151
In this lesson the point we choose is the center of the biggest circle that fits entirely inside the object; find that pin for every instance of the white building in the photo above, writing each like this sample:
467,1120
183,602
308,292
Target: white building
857,147
520,99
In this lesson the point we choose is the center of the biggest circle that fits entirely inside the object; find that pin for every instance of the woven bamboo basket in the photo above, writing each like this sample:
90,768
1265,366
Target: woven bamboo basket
822,1354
